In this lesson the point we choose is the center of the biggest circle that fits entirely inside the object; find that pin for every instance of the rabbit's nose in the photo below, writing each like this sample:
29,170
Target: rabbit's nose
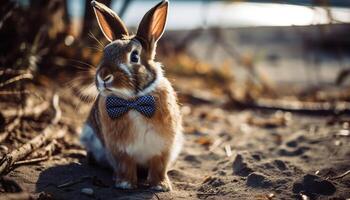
108,78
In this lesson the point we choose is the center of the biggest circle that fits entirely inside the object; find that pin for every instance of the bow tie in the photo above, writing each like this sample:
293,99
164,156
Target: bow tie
116,106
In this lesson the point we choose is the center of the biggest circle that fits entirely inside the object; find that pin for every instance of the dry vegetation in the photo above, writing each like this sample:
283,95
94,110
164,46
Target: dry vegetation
248,140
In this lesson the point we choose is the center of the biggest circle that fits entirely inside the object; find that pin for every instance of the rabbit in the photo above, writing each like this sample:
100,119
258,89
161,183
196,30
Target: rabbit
135,120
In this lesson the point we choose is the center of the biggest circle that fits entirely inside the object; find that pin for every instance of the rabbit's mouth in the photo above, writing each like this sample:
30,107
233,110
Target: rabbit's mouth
120,92
104,83
105,87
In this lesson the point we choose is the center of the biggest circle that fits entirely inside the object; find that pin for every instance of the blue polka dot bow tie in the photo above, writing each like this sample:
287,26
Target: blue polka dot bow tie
117,107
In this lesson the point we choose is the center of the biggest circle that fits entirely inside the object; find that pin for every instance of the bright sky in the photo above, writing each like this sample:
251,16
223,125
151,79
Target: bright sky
188,15
193,14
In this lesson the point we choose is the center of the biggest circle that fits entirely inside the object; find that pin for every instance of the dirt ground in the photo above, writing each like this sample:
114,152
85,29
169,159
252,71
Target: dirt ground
228,154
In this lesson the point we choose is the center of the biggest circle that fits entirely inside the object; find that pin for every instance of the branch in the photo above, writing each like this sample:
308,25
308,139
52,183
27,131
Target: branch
49,134
17,78
341,175
9,128
16,196
31,161
29,111
294,105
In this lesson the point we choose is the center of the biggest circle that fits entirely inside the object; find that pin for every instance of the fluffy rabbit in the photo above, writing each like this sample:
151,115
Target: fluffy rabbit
135,121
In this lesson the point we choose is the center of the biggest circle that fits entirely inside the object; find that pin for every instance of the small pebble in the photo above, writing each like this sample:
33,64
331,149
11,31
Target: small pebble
304,197
257,180
312,184
337,143
87,191
346,125
292,143
343,132
240,166
280,164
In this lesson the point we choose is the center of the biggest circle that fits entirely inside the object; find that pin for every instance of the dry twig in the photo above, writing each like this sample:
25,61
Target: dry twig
9,128
49,134
17,78
10,71
31,161
14,92
215,144
294,106
341,175
228,150
58,112
29,111
16,196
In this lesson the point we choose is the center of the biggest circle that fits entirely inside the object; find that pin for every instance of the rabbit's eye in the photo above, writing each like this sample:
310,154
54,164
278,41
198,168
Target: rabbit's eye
134,57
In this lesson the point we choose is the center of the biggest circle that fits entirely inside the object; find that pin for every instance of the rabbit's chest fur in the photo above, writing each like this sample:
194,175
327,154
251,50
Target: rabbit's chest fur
136,135
146,141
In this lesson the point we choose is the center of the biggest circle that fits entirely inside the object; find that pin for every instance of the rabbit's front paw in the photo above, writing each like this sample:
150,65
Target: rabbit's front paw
163,186
125,185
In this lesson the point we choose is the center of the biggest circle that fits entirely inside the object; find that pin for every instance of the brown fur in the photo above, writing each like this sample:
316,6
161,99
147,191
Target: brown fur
121,136
157,171
116,134
163,118
94,120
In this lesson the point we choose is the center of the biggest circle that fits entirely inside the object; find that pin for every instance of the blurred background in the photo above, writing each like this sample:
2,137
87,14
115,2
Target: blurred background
264,88
248,48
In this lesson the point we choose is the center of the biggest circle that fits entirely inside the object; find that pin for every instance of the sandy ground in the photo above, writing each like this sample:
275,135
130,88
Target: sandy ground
228,154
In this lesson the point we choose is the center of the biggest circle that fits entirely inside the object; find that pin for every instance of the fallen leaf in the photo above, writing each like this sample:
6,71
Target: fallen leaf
204,140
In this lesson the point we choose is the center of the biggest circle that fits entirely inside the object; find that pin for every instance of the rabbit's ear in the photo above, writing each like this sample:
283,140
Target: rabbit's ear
111,25
153,23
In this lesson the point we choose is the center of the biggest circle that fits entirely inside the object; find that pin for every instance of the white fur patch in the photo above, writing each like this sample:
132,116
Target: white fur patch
93,144
100,83
157,188
125,69
122,92
153,86
123,185
147,143
177,146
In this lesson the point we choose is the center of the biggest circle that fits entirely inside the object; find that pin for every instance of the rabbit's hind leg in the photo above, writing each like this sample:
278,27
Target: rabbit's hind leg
96,153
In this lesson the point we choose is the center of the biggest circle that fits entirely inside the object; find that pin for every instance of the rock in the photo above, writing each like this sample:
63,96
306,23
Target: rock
280,164
256,157
215,182
222,173
9,185
192,158
268,166
87,191
311,185
292,143
256,179
297,152
240,167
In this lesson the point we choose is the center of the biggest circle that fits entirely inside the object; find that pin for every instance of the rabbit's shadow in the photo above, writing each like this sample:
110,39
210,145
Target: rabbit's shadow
67,181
